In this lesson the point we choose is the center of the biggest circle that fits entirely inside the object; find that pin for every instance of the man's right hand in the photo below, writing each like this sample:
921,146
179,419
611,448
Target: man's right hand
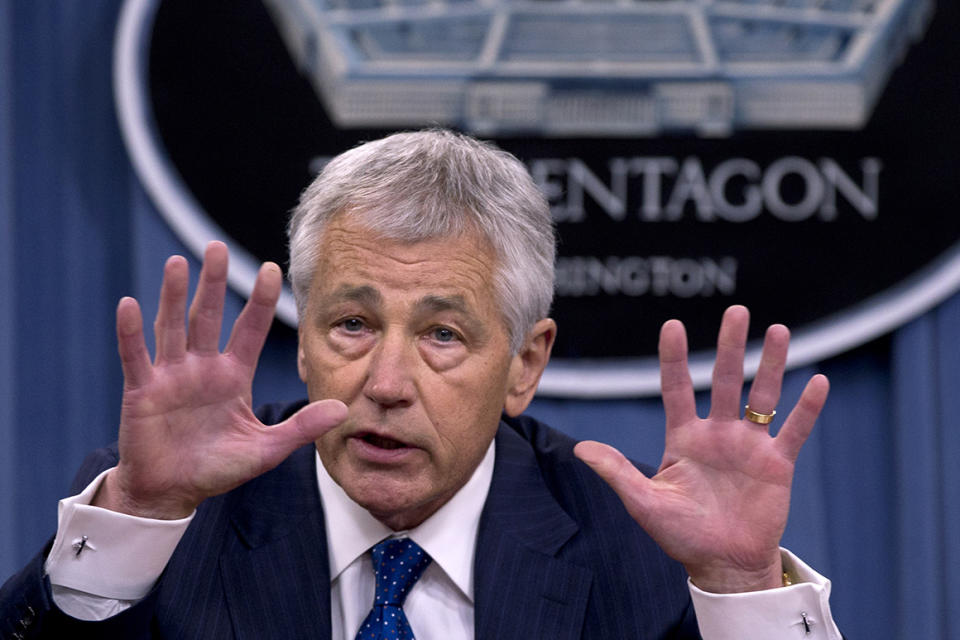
187,428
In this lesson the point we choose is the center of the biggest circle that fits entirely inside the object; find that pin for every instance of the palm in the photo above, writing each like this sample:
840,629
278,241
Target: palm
719,501
187,430
711,489
177,423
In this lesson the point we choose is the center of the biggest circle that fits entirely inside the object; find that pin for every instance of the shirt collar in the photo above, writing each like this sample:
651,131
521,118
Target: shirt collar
449,535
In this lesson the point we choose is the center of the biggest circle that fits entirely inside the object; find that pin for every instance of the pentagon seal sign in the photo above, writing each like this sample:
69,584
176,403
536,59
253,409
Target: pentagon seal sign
795,156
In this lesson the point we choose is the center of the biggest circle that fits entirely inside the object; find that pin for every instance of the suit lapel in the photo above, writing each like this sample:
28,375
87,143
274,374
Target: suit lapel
276,573
522,589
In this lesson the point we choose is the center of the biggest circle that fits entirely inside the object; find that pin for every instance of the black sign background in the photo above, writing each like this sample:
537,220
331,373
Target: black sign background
242,125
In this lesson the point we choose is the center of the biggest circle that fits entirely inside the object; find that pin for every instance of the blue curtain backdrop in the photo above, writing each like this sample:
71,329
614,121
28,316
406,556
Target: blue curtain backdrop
877,494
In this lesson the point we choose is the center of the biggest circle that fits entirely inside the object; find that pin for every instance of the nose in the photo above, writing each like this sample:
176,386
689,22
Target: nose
389,380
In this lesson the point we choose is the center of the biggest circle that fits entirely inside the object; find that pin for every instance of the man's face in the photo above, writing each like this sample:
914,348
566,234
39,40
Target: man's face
410,337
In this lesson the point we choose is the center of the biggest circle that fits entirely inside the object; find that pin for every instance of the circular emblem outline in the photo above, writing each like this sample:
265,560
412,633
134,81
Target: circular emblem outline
588,378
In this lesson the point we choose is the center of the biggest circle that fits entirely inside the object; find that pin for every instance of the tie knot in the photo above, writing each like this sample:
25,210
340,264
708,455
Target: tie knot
398,564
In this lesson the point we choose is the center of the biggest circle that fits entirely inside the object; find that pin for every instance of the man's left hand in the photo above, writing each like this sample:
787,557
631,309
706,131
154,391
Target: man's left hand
720,499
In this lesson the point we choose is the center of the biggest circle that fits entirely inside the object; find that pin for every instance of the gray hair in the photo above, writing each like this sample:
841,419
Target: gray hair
410,187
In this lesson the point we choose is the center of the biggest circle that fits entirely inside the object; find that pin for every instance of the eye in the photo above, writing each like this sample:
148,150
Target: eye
352,324
444,334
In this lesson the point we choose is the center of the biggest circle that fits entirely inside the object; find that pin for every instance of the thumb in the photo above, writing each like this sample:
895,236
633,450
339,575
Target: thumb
613,467
308,424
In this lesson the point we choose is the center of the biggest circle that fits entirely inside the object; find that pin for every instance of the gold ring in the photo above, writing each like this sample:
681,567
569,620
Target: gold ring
757,417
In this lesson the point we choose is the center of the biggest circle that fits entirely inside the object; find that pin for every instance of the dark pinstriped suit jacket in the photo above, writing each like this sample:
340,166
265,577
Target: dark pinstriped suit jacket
557,557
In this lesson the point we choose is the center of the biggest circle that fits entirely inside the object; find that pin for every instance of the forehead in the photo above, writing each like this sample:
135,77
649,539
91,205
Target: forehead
353,258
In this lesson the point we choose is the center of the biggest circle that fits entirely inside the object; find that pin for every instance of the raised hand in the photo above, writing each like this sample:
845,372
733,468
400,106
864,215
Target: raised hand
187,430
719,501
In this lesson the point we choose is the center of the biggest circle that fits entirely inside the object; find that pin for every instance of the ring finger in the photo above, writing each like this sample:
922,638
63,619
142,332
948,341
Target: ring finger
765,390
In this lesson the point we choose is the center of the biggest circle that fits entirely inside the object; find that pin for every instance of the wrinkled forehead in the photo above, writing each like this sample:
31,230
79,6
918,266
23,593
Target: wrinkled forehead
356,258
349,248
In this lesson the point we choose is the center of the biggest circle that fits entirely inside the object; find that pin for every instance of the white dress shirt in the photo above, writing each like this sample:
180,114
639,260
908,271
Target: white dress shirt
441,603
123,556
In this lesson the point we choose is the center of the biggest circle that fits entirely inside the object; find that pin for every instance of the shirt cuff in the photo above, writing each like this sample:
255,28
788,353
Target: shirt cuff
801,610
106,553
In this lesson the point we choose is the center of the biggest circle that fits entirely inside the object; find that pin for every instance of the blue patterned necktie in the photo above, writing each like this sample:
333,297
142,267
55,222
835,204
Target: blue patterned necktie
398,564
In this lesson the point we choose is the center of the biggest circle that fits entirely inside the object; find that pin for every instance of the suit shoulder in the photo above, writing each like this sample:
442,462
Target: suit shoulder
608,542
554,448
278,411
579,491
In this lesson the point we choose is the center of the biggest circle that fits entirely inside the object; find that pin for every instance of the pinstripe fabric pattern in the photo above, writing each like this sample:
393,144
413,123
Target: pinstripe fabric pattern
559,546
557,557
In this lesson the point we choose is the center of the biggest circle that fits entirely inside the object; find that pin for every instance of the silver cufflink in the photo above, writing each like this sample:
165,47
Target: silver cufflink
806,623
80,544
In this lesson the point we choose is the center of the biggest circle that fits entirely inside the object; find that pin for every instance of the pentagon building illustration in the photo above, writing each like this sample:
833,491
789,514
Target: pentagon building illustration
568,68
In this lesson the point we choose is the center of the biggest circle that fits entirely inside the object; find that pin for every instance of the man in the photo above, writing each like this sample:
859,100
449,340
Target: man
422,265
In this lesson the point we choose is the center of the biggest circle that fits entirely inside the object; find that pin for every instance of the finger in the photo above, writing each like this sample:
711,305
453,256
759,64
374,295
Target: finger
168,327
134,357
728,368
206,310
252,325
618,472
765,390
305,426
676,387
800,422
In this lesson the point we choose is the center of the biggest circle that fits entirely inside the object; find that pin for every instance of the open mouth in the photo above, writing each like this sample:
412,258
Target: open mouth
382,442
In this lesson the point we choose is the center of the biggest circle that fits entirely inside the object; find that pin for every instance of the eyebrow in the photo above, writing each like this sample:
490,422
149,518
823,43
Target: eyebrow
364,294
443,303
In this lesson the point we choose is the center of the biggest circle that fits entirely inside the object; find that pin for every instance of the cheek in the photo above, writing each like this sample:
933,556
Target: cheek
470,413
328,376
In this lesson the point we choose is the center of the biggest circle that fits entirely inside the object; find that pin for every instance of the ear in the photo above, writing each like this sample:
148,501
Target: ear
528,365
301,358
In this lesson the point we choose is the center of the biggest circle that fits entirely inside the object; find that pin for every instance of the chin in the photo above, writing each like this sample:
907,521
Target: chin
385,496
